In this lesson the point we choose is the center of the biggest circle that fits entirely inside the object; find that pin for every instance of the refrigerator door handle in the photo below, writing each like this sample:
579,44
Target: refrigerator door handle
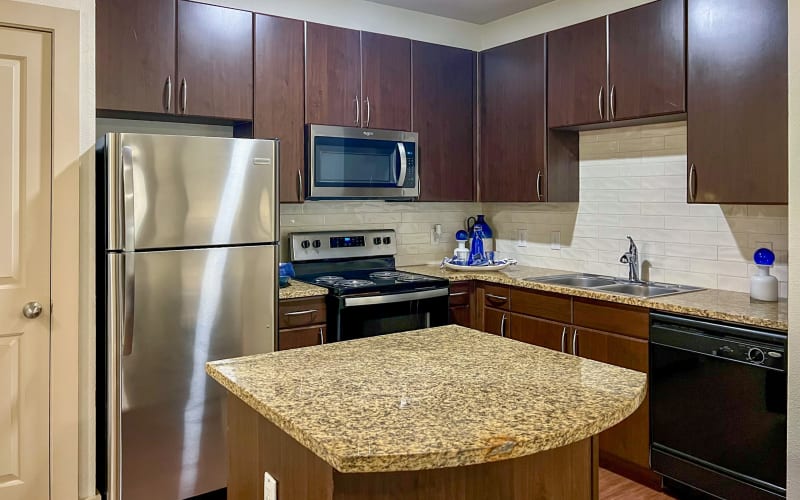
128,208
128,290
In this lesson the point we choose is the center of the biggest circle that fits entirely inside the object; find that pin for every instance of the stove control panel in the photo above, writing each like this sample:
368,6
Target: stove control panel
324,245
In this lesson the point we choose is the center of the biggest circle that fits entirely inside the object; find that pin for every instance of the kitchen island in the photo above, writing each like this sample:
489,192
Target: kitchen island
440,413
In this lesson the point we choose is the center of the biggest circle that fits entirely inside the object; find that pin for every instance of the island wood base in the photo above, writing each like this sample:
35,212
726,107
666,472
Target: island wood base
256,446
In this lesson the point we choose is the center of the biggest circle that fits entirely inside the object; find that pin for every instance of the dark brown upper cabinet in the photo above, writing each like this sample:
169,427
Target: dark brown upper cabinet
639,73
279,99
135,55
576,74
215,61
647,61
386,74
513,163
521,161
737,101
333,75
137,67
357,79
444,116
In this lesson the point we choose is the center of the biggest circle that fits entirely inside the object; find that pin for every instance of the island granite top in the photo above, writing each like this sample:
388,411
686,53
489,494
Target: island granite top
722,305
434,398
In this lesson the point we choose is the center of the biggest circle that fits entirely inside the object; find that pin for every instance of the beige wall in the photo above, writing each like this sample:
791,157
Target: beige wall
793,492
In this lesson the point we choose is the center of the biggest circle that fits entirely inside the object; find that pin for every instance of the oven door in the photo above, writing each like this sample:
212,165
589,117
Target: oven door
357,163
368,316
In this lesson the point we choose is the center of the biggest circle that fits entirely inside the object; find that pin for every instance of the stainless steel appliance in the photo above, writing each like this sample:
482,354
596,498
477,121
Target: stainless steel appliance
718,407
347,162
187,265
367,295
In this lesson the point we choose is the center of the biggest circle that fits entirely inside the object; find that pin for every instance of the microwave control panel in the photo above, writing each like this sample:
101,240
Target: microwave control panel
411,166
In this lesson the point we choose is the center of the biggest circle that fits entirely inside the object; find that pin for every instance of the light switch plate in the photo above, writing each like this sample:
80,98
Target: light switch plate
270,487
522,237
555,240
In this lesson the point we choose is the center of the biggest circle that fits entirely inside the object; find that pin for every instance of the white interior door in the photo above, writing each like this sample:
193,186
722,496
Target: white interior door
25,174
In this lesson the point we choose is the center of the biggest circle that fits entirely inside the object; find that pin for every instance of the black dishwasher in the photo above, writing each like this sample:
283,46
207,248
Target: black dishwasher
718,407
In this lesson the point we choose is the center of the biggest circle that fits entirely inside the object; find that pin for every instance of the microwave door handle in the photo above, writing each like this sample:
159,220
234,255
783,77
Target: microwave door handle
401,179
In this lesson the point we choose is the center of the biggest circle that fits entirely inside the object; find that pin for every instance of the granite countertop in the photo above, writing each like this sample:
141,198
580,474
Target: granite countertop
440,397
720,305
299,290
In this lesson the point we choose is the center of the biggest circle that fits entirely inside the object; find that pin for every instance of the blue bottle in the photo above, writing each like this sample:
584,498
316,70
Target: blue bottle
474,224
477,256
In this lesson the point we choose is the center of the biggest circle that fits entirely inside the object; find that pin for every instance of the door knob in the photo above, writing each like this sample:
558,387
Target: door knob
32,310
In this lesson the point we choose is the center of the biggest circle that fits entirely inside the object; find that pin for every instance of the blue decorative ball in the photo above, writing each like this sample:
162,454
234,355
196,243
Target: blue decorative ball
764,257
462,235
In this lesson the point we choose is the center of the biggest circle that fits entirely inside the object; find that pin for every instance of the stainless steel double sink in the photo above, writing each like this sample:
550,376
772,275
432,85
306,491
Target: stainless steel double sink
608,284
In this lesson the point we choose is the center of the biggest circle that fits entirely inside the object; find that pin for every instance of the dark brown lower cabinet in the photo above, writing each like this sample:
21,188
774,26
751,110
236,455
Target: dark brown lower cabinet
462,298
627,443
496,321
539,332
302,337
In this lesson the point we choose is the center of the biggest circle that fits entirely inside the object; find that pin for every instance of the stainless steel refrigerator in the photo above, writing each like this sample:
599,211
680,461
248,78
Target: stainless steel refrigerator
187,267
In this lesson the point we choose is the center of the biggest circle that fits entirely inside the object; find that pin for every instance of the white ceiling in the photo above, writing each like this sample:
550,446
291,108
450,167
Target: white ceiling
473,11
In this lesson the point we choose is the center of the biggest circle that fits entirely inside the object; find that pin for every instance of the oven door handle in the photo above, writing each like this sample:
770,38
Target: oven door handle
401,178
394,298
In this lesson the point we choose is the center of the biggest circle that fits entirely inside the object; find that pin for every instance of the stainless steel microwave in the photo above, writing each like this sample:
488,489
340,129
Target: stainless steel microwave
348,162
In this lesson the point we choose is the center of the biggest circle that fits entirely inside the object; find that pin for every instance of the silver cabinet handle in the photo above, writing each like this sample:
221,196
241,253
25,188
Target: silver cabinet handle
503,326
564,340
168,91
575,342
369,113
496,297
358,111
600,102
299,185
401,150
459,294
184,95
32,310
612,102
321,336
692,183
300,313
539,185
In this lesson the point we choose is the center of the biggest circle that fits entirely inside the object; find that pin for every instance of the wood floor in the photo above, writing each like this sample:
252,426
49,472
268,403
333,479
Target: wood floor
616,487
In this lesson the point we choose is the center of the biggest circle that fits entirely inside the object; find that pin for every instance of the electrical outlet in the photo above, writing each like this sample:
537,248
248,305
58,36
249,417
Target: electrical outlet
555,240
522,237
764,244
270,487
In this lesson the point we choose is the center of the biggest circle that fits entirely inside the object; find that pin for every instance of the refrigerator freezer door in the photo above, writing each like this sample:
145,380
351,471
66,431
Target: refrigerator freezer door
188,307
177,191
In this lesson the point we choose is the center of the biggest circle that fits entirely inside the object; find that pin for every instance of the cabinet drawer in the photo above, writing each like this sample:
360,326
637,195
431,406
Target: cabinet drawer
497,322
613,318
460,293
496,296
542,305
302,337
294,313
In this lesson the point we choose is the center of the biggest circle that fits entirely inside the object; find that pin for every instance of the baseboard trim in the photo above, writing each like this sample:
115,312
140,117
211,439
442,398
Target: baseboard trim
96,496
632,471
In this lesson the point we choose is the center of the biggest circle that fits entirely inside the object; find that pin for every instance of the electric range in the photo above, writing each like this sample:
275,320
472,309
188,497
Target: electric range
367,295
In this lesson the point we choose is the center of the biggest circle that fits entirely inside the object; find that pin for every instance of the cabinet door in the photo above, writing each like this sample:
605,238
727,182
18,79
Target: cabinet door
136,55
576,74
539,332
737,101
443,115
386,72
646,60
302,337
279,98
333,75
513,128
461,315
496,322
215,60
630,439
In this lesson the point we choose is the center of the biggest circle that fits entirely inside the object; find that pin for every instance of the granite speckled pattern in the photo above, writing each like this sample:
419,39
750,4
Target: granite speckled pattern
719,305
440,397
298,290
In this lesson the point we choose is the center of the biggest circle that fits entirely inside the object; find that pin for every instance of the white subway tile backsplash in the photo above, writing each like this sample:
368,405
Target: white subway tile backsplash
703,245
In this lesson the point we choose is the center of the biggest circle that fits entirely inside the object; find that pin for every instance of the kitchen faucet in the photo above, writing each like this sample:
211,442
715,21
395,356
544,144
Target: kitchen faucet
631,257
